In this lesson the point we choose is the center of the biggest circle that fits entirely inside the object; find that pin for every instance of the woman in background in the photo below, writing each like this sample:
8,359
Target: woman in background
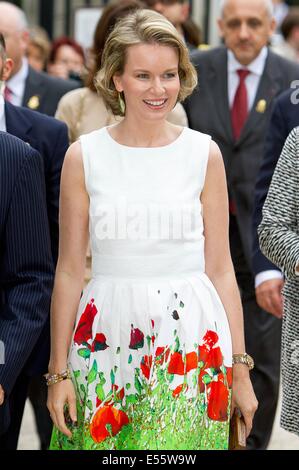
279,241
67,60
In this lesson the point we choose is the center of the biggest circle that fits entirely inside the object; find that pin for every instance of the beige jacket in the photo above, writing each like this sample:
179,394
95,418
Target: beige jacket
84,111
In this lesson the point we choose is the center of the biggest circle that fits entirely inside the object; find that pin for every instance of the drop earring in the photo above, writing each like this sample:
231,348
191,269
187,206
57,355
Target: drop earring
122,105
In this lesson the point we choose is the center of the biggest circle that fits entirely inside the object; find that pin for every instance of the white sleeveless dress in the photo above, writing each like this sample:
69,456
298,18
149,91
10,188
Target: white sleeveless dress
151,354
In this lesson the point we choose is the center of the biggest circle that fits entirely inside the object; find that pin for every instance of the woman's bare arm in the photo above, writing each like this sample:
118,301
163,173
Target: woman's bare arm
73,239
219,269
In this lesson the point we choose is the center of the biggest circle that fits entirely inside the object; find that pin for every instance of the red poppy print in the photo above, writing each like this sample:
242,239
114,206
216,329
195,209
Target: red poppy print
191,361
200,380
176,393
162,355
137,338
218,397
210,338
83,331
176,364
107,417
203,352
214,359
119,395
145,366
99,343
229,376
98,402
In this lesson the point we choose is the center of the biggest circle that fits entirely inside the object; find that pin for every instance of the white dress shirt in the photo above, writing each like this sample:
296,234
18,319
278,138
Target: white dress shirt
256,69
2,113
16,84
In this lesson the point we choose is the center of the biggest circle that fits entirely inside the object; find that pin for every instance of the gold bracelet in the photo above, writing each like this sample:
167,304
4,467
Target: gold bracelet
53,379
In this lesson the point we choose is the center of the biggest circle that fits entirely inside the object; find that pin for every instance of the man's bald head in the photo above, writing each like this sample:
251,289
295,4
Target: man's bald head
14,15
268,5
14,27
246,27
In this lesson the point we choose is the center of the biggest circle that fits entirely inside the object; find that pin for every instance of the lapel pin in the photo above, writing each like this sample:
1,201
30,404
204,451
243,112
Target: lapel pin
33,102
261,106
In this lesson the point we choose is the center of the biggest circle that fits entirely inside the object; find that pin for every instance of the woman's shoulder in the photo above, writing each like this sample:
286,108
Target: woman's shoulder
94,138
292,142
197,135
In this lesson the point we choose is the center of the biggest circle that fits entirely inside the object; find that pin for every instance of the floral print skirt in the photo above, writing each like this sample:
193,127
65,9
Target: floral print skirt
151,365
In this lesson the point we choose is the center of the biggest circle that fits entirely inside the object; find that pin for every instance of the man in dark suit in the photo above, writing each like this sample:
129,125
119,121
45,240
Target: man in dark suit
26,87
26,266
49,136
237,85
284,118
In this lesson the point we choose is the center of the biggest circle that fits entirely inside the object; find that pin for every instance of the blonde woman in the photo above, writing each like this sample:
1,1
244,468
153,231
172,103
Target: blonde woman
159,327
83,110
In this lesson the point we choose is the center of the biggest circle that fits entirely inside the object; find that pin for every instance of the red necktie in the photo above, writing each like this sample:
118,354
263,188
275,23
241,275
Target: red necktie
7,94
239,110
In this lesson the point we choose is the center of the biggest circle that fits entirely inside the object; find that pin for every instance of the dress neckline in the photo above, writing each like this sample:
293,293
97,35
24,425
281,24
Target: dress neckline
162,147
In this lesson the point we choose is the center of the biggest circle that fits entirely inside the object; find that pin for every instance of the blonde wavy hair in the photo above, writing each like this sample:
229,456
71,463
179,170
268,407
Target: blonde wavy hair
147,27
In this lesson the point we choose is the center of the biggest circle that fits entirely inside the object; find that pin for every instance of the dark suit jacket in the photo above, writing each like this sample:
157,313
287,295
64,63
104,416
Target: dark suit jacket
50,137
208,111
43,92
284,118
26,266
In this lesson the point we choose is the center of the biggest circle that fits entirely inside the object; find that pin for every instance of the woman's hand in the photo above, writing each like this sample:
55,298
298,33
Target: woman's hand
60,395
243,396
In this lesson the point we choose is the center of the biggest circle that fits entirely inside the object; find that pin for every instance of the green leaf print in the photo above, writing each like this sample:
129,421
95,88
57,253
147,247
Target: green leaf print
130,359
206,379
182,305
100,392
77,374
131,399
170,378
102,378
128,386
177,344
138,385
89,405
118,351
112,377
93,373
85,353
149,340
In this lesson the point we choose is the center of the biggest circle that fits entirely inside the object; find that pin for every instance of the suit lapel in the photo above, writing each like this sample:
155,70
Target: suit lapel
268,88
219,76
17,124
33,91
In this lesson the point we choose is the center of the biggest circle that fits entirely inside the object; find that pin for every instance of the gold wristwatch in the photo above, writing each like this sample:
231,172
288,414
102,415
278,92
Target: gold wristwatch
243,359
